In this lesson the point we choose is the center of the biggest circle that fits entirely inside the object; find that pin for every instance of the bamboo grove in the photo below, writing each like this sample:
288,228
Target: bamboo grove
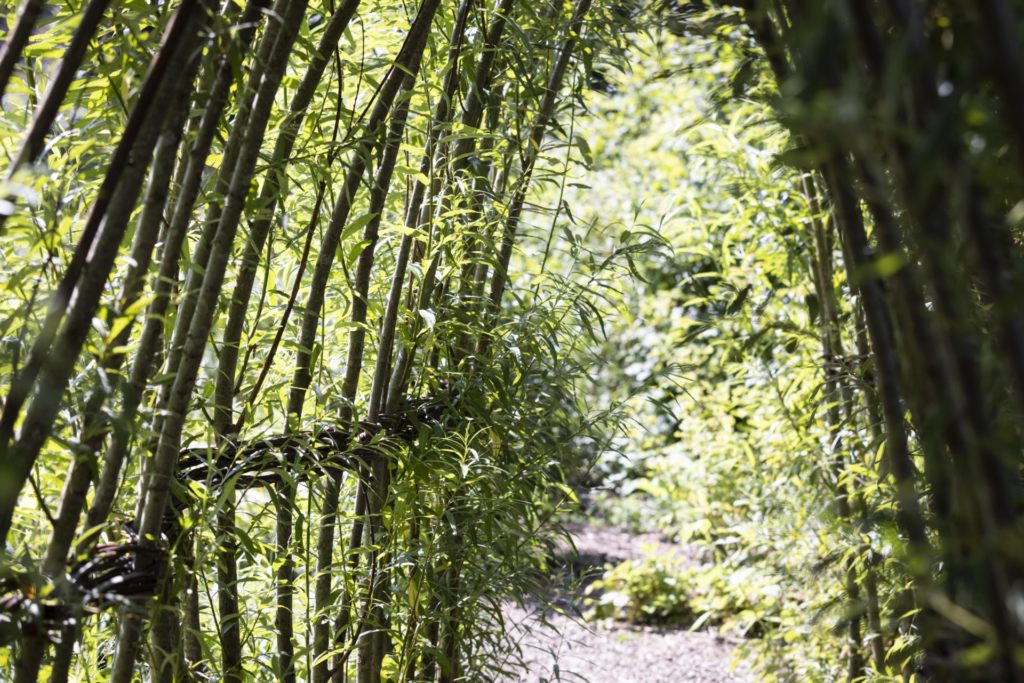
286,398
283,181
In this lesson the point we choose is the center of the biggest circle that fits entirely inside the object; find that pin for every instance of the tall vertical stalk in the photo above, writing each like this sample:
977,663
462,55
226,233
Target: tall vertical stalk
108,221
223,422
17,39
533,147
73,497
399,77
161,471
44,116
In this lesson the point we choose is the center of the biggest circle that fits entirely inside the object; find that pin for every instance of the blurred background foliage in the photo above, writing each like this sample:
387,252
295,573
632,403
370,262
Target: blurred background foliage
715,360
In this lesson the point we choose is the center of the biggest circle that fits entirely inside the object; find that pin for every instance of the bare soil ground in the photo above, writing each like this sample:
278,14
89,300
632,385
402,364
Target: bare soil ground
558,646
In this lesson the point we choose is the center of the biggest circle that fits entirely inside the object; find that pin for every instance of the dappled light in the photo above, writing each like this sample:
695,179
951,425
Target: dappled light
501,340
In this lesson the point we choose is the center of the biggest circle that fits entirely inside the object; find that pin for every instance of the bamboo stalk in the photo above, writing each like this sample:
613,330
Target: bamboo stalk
23,383
14,46
147,232
836,395
73,496
858,259
146,357
54,366
538,130
165,460
407,62
415,216
984,483
45,114
357,339
402,72
224,425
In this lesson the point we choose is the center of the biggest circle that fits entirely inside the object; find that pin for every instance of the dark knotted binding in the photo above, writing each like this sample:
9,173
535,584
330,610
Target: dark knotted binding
265,461
125,574
129,574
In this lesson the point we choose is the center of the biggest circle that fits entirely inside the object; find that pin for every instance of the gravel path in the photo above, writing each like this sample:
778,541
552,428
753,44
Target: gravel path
557,647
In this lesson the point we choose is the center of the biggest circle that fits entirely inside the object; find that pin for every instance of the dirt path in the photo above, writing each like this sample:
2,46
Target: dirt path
557,647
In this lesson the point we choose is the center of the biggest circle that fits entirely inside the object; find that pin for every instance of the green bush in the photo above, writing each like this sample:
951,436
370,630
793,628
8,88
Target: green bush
736,597
648,591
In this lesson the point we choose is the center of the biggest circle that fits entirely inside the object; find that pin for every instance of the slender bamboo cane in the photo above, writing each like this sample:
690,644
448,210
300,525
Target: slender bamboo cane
415,211
24,381
830,316
538,130
414,217
269,43
10,53
32,147
166,652
54,366
147,232
839,183
73,497
971,420
927,199
836,396
164,462
268,200
369,657
44,407
406,65
224,425
407,62
480,94
858,258
146,357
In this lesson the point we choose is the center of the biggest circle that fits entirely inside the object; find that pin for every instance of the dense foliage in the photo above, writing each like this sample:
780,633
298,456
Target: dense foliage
252,294
838,421
318,317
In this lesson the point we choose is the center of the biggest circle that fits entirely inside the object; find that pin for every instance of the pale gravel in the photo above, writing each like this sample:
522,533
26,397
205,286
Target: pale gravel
560,647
